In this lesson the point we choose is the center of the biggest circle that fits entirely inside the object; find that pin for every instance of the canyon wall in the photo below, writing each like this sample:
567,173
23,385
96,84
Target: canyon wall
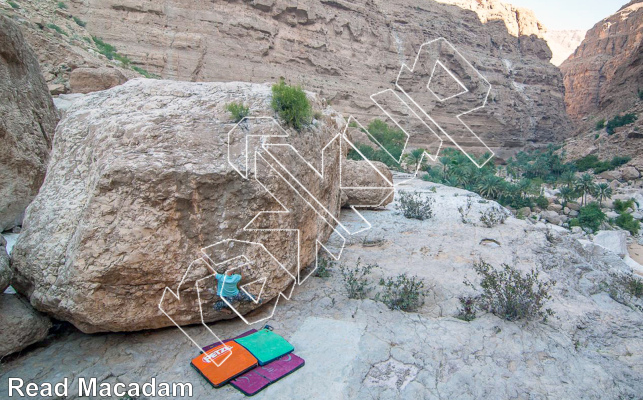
604,75
343,50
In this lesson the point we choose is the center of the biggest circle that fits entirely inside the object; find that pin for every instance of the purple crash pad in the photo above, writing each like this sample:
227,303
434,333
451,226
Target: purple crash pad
252,382
213,345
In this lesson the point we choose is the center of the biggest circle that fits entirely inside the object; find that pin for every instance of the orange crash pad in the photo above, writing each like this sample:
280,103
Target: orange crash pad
236,364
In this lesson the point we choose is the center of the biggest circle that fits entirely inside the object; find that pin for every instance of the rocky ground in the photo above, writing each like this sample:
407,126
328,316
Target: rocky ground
592,348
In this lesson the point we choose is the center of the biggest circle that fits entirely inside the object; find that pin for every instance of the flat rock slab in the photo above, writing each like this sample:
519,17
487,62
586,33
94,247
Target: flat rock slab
330,348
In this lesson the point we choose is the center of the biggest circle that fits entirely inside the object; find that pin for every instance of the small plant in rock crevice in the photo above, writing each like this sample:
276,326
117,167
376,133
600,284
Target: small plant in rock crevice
626,289
511,295
238,110
356,279
465,210
468,311
402,293
324,267
492,217
414,206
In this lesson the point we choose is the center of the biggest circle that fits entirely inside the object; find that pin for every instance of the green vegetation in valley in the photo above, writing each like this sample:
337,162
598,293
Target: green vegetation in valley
620,120
62,5
292,105
13,4
390,139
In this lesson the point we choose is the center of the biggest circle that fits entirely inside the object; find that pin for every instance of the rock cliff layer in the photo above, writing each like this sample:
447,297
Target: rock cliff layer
605,73
344,50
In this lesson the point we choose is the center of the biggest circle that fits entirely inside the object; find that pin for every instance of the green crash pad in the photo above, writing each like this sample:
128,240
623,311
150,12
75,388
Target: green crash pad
265,345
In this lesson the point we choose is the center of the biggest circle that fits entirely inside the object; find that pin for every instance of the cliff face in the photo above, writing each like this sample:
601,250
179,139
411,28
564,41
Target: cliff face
603,76
344,50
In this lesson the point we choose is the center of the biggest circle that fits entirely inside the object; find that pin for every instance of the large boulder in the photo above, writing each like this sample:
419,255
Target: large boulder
21,325
630,173
139,182
87,80
365,186
5,270
614,241
27,122
552,217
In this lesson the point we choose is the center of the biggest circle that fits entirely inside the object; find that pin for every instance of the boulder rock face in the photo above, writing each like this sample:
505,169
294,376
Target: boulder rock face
368,187
345,51
27,122
87,80
21,325
139,182
614,241
5,271
603,75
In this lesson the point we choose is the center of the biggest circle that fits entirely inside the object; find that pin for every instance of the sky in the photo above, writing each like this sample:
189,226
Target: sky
571,14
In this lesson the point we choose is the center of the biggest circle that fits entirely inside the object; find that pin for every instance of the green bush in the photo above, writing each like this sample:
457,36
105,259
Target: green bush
238,110
617,161
79,21
57,29
355,279
600,124
542,202
640,94
621,206
13,4
413,206
62,5
402,293
620,120
626,221
591,216
587,162
391,138
508,294
292,105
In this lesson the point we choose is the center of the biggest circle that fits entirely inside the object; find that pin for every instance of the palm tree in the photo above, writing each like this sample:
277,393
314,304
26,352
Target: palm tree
524,187
603,191
585,185
415,157
568,179
490,186
567,193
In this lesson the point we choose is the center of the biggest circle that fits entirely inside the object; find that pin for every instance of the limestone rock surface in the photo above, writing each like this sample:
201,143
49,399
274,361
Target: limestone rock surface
139,182
21,325
27,122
